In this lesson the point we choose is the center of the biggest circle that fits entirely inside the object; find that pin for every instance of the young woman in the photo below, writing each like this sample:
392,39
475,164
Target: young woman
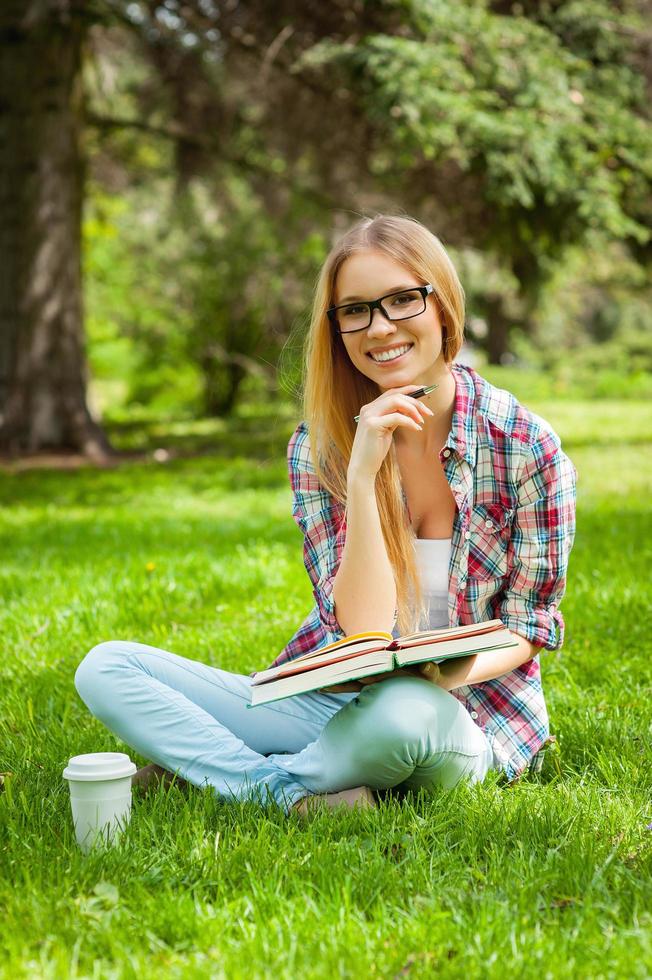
449,509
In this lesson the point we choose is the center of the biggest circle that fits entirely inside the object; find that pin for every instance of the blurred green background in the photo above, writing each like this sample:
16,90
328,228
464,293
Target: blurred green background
518,132
216,151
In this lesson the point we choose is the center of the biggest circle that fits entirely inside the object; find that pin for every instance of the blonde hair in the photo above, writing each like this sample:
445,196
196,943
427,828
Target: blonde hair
334,389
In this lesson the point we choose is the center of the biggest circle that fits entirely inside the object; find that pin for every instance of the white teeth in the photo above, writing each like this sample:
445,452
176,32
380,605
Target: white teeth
390,355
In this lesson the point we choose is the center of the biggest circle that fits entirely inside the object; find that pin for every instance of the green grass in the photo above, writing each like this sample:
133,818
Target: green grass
551,877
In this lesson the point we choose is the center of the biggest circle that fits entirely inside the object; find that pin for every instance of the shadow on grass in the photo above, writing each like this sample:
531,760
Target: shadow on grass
206,477
259,433
258,436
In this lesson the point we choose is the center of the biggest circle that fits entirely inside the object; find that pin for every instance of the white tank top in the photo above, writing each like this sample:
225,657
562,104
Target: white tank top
433,557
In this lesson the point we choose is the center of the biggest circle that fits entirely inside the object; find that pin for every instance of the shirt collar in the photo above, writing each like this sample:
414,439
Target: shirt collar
462,437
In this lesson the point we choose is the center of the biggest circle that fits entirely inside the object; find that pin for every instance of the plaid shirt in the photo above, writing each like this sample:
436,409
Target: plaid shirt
512,535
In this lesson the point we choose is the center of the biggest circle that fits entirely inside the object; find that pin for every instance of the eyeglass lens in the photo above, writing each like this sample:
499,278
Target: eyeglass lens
398,306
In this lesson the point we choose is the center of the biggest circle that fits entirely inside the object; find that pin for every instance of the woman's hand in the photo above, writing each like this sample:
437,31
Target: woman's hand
376,426
346,688
430,671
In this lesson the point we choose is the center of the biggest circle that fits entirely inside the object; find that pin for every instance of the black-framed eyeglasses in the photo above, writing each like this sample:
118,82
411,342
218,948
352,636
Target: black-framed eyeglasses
400,305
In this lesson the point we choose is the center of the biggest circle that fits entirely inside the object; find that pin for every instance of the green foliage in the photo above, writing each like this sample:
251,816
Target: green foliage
588,374
182,292
556,130
591,333
135,322
199,274
615,369
593,328
201,556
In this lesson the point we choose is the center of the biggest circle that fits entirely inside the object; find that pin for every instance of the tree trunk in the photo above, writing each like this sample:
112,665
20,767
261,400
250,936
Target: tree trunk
221,384
497,342
42,356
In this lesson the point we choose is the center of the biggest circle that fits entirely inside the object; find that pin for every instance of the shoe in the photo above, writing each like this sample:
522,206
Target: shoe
360,797
150,778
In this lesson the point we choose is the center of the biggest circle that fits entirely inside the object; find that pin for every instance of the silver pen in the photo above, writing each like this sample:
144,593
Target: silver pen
413,394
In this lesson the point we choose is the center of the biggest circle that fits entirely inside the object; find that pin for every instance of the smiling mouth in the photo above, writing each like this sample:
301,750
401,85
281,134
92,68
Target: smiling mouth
391,355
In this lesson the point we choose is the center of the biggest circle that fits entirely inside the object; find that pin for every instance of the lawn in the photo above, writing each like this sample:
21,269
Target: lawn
549,877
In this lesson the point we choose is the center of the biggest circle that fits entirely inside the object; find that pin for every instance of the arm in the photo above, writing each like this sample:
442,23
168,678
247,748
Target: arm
319,517
364,585
364,589
482,666
352,565
542,537
543,531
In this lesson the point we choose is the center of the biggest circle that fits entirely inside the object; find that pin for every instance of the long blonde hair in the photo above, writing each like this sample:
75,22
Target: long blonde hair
334,389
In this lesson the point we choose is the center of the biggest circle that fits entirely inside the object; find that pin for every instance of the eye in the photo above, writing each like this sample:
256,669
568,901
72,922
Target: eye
401,299
354,310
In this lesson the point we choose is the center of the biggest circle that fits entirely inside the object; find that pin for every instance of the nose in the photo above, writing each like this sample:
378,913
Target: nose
380,325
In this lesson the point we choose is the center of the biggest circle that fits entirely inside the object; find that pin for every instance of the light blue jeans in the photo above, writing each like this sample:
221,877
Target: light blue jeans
194,720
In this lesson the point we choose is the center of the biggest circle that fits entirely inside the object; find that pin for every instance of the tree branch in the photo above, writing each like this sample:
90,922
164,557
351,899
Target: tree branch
173,131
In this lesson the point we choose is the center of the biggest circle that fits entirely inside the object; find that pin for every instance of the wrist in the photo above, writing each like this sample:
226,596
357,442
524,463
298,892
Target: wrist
358,482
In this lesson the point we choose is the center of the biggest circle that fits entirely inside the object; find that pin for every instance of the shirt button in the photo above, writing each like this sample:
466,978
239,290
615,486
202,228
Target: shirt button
474,715
446,453
467,535
489,524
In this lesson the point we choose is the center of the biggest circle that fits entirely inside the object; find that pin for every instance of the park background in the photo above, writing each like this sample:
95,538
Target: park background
171,177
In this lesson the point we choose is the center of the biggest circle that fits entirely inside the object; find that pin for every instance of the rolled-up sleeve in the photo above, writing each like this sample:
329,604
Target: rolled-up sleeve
543,532
320,518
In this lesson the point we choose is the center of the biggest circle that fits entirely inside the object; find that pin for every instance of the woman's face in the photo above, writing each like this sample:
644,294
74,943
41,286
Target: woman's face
368,275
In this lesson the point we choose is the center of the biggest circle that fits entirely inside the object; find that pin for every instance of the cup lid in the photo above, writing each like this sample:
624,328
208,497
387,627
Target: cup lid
99,765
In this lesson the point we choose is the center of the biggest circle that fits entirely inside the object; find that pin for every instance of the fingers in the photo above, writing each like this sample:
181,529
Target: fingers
394,399
394,419
346,688
431,672
402,404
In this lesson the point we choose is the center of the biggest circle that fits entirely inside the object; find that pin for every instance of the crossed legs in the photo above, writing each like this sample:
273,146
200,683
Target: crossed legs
194,720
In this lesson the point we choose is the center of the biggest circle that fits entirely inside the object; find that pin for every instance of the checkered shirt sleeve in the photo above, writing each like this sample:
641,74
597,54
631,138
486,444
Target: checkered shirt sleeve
542,536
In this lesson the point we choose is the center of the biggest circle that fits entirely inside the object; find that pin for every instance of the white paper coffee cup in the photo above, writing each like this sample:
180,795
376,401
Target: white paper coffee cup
100,796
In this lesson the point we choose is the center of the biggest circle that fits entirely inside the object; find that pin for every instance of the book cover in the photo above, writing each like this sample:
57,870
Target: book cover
365,654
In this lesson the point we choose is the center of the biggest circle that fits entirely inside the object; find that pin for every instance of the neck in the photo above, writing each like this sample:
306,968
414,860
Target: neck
436,427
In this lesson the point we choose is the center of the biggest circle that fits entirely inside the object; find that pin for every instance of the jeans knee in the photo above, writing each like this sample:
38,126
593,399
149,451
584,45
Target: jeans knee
408,729
403,713
91,674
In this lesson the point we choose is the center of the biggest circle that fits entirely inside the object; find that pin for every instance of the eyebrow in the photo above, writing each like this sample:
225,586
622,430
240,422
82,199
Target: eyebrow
395,289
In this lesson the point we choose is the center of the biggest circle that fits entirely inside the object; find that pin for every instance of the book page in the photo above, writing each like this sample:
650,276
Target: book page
377,662
333,653
353,640
463,647
451,632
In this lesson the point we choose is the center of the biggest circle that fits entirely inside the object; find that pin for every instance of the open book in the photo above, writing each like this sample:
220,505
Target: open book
364,654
